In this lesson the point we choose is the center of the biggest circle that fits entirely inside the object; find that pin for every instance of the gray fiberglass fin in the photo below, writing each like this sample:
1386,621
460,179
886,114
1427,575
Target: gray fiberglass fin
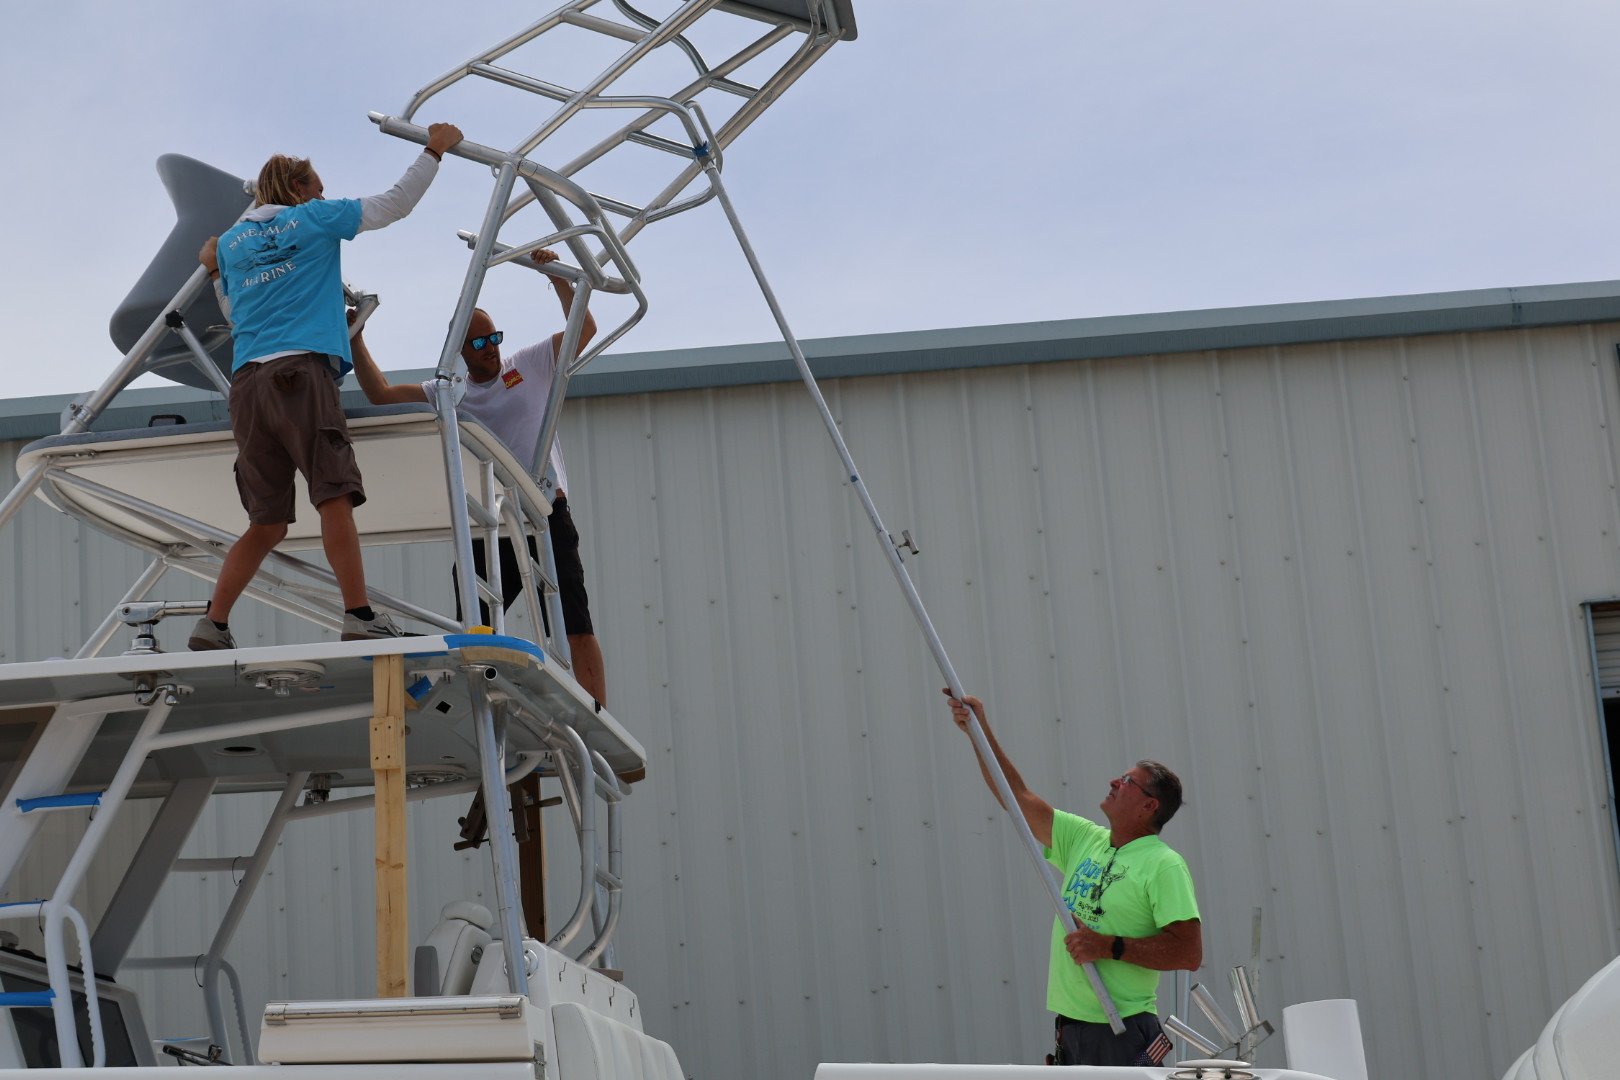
207,201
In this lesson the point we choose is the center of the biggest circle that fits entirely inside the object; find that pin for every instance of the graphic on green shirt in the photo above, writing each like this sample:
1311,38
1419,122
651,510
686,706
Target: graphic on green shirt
1132,891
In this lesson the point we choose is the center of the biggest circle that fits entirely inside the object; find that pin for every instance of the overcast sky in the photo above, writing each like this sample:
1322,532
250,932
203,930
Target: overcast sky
960,164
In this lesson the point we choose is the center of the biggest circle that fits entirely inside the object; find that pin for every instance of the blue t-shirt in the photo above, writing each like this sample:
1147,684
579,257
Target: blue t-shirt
285,284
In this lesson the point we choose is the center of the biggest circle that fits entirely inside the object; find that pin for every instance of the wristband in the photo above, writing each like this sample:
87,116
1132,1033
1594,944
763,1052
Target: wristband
1119,948
436,155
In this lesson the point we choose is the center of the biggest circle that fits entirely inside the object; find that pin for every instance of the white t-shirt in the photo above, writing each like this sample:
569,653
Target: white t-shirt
512,406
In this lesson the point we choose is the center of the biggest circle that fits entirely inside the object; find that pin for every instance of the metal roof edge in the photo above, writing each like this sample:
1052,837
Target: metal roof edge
978,346
1107,336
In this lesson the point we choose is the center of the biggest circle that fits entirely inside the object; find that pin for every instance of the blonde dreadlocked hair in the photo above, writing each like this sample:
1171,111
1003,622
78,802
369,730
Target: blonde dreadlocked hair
277,179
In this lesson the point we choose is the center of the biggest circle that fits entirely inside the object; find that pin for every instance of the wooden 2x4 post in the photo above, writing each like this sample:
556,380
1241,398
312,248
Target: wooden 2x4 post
388,779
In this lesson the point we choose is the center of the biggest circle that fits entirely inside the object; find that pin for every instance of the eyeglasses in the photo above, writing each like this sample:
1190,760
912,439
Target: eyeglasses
1129,779
487,339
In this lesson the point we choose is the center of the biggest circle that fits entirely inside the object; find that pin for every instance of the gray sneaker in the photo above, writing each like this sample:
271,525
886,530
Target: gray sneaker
358,629
206,637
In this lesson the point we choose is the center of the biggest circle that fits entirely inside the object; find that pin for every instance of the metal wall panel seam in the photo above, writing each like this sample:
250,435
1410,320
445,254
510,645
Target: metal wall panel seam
1432,1050
1172,566
752,934
1500,1049
806,865
1014,870
671,810
660,1011
888,641
879,959
1065,731
1100,478
773,765
711,808
1603,390
978,605
1291,494
1444,706
1281,917
935,888
680,927
1579,694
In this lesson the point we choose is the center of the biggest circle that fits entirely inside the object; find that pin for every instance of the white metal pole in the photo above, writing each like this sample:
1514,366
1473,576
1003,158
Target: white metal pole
214,961
109,626
980,744
502,844
57,907
460,522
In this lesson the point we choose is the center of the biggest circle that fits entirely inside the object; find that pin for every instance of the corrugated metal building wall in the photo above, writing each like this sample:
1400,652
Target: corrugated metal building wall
1326,560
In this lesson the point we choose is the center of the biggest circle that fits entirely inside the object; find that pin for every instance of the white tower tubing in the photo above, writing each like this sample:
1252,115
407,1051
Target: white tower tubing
553,189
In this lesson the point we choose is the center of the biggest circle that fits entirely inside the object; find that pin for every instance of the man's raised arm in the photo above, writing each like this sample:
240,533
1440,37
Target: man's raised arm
377,388
565,295
1037,811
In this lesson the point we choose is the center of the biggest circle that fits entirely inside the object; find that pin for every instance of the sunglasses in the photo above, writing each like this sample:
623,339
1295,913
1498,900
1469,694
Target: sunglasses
1129,779
488,339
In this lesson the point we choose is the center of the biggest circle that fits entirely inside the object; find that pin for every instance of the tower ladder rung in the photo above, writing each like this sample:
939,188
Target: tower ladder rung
732,86
628,210
520,81
601,25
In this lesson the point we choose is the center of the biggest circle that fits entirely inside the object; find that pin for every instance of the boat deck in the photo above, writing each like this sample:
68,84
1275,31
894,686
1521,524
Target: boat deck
236,692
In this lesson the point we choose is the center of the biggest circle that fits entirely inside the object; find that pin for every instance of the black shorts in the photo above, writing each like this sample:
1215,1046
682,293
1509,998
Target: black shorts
576,604
1084,1043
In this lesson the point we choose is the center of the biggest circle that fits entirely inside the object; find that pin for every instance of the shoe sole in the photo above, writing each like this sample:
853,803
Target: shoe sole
204,645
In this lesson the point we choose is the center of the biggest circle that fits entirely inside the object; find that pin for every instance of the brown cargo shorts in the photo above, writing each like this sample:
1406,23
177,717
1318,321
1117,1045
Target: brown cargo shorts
286,417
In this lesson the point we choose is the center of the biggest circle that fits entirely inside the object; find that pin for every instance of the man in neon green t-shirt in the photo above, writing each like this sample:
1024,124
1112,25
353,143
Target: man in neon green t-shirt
1132,899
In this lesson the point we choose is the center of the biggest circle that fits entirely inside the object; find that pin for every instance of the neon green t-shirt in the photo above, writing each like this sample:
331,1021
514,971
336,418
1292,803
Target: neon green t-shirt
1132,892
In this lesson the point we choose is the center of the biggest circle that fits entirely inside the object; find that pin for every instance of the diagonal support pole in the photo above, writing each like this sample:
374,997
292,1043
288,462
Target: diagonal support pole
980,744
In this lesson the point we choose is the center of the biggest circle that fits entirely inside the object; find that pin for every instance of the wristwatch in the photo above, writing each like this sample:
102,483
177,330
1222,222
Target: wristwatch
1119,948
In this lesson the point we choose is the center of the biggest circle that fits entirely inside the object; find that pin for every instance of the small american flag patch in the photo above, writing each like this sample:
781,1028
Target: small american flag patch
512,378
1155,1052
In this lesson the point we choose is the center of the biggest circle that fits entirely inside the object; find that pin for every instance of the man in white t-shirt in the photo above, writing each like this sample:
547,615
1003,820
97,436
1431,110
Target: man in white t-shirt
508,397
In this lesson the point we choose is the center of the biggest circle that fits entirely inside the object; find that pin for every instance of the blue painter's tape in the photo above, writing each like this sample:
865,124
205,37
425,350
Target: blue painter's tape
47,802
20,903
421,688
25,999
497,641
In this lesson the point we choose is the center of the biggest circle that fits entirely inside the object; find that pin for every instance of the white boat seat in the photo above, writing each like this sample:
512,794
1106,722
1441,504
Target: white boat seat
458,943
591,1046
186,468
1578,1043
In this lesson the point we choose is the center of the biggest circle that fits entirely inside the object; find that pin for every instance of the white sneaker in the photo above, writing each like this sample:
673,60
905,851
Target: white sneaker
358,629
206,637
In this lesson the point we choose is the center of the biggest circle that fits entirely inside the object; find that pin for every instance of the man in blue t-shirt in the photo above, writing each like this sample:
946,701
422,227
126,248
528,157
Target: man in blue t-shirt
278,277
1132,900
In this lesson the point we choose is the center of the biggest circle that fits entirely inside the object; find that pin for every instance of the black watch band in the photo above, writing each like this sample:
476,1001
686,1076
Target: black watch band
1119,948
